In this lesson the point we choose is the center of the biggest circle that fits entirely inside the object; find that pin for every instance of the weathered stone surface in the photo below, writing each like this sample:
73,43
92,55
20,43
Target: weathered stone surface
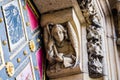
94,39
64,72
51,5
57,17
61,50
73,77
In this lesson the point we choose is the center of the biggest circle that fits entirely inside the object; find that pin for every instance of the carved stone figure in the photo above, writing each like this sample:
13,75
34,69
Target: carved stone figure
61,48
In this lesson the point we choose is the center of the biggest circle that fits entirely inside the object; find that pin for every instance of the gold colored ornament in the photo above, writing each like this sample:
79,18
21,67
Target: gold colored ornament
1,19
4,42
10,69
36,67
32,46
25,52
38,40
18,60
27,24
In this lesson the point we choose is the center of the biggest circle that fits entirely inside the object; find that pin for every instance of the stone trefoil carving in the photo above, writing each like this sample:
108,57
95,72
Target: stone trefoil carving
94,38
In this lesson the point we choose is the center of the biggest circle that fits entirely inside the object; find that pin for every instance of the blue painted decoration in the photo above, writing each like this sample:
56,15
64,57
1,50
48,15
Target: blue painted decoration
14,23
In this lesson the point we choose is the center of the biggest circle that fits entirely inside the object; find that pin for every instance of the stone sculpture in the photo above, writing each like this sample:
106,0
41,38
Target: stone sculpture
61,48
94,38
95,52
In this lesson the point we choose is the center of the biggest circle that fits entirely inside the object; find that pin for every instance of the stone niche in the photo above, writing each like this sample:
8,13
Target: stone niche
62,57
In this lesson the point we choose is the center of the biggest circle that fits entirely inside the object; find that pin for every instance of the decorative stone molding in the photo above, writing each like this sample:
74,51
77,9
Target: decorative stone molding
94,38
95,52
116,17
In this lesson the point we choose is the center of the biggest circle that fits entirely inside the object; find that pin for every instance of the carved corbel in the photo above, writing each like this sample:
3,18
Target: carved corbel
61,44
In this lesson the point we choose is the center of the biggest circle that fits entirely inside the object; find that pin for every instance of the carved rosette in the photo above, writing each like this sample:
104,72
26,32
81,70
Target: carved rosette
94,38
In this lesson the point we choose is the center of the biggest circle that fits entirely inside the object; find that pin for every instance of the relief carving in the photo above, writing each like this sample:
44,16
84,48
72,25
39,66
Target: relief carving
94,38
61,49
95,51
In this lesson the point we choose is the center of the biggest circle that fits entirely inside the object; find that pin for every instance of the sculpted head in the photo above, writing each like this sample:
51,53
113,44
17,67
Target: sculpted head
58,32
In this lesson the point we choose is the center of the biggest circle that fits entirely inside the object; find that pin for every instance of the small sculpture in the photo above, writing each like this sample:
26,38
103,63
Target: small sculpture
61,48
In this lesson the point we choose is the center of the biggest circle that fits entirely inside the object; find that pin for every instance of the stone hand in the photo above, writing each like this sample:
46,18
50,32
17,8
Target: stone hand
59,57
50,44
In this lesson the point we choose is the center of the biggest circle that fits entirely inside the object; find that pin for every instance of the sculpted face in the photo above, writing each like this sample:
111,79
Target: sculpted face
58,33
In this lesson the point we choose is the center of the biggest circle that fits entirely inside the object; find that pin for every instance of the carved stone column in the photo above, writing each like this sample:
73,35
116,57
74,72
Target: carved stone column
94,38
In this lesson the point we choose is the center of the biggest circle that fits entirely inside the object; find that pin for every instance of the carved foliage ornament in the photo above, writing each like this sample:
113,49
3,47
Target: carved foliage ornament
94,38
